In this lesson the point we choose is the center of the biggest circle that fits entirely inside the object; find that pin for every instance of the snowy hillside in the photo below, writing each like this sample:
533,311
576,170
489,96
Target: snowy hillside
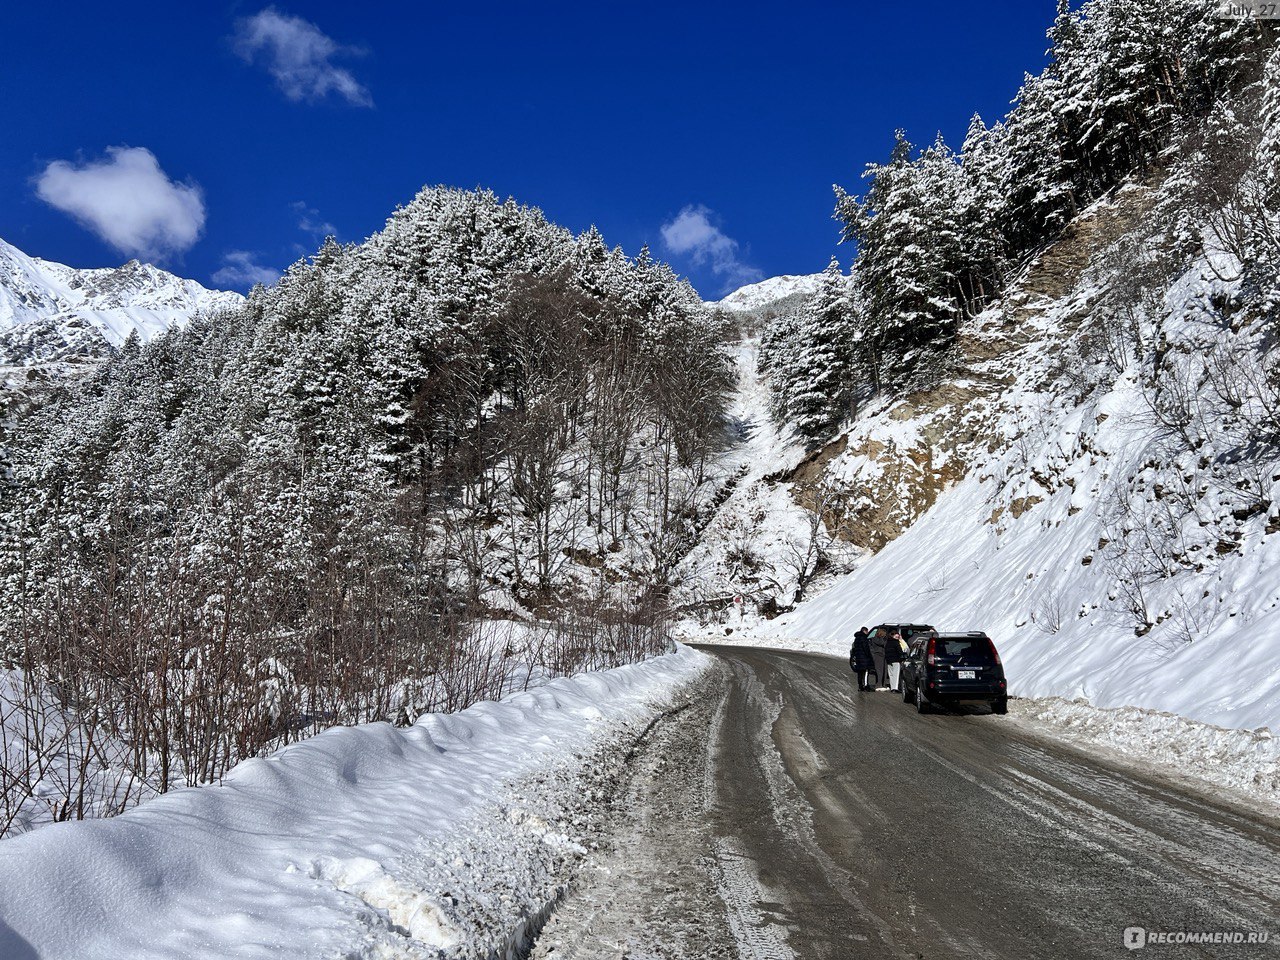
1039,494
758,544
48,310
767,292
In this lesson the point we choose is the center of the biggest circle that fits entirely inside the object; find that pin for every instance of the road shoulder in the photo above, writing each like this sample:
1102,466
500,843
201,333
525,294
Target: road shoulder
649,890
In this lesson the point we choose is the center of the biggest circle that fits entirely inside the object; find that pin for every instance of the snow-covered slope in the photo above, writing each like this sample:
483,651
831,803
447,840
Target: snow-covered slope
756,541
1040,494
49,309
757,295
1029,581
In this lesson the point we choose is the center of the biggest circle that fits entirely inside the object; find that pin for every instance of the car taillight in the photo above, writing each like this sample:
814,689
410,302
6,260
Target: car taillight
931,652
995,654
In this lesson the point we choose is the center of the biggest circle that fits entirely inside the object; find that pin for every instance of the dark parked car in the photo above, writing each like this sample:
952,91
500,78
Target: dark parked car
948,669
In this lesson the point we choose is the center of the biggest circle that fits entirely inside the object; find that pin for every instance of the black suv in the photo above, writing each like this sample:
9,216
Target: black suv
954,668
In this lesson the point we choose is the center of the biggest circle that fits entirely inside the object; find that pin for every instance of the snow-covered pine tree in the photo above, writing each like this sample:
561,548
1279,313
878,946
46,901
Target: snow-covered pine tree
887,224
1038,175
919,249
780,343
823,375
983,209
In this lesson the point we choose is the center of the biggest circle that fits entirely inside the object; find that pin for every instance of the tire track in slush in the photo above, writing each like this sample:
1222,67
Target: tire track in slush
736,881
758,936
811,905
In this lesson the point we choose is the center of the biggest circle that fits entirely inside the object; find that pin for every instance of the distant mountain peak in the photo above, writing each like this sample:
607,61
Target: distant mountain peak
49,310
757,295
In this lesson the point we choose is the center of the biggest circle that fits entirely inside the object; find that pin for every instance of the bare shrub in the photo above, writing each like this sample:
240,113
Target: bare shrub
1050,611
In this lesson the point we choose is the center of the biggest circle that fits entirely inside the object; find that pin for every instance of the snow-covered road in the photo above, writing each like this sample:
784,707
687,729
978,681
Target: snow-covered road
789,816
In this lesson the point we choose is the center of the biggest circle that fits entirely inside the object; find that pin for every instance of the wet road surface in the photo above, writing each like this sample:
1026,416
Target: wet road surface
784,814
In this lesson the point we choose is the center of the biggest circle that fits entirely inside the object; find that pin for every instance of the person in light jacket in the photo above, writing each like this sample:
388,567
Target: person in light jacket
860,661
895,652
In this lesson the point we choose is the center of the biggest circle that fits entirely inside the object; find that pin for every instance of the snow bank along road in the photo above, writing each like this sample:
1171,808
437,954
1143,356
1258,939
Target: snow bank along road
790,816
450,838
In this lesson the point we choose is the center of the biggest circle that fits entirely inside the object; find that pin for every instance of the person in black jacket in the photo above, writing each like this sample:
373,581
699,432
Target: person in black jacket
860,661
879,650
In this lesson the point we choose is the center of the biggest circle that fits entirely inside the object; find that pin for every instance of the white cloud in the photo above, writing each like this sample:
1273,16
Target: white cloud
128,201
240,271
311,223
299,55
693,234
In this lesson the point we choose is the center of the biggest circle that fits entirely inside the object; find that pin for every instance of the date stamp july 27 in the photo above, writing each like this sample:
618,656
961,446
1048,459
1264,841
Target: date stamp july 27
1249,9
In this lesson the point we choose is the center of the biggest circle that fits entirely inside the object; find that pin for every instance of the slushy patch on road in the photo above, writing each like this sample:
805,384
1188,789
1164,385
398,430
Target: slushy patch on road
656,889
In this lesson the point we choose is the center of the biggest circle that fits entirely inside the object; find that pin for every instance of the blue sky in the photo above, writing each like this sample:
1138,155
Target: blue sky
224,140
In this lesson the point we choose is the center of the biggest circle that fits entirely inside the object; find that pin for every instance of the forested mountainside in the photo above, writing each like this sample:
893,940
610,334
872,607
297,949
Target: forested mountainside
1046,401
1129,94
304,509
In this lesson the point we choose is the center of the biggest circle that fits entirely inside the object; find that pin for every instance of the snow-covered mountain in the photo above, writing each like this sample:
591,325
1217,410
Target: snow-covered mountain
755,296
49,311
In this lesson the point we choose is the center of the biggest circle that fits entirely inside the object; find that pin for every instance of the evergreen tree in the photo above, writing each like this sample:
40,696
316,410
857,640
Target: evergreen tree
823,369
812,359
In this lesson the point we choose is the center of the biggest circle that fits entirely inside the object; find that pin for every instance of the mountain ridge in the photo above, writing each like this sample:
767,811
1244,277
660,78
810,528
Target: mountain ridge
764,293
50,311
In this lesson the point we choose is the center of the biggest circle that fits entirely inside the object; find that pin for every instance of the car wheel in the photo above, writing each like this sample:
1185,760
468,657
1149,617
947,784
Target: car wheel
902,688
1000,706
922,705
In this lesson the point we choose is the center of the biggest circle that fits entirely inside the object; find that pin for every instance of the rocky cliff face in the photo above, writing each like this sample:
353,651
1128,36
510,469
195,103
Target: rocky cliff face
876,480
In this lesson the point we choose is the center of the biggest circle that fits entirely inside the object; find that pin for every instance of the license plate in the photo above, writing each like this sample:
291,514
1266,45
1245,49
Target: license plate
966,674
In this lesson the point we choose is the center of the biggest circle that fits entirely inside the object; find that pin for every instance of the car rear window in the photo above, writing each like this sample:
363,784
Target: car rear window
965,649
